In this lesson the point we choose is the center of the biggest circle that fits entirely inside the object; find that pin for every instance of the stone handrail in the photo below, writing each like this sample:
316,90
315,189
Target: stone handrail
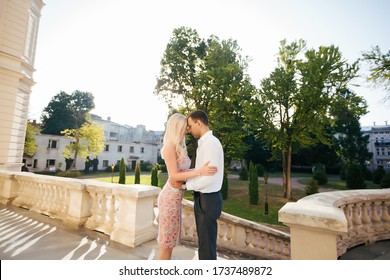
323,226
240,235
124,212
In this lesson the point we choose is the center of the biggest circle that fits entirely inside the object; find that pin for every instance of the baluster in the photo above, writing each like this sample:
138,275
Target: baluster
385,215
111,214
356,218
271,243
221,230
248,236
375,219
366,220
263,241
229,232
286,248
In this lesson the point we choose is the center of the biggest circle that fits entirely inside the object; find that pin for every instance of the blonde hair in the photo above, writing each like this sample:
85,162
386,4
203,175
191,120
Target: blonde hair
176,126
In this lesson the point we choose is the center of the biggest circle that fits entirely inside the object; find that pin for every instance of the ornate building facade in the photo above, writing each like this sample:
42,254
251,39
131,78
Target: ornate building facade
19,22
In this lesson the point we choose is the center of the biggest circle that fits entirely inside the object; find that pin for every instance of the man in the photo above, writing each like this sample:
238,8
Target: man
206,189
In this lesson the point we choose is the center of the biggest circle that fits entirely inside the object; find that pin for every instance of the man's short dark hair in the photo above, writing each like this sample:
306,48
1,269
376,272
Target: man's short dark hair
199,115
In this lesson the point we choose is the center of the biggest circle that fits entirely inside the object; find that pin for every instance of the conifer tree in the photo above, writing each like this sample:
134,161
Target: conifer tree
122,172
253,185
137,175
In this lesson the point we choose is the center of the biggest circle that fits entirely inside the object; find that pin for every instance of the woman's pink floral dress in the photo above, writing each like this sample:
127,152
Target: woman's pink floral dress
169,207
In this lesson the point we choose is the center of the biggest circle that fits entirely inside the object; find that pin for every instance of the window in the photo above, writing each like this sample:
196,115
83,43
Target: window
107,148
142,150
35,164
105,163
52,144
131,149
119,148
31,36
50,162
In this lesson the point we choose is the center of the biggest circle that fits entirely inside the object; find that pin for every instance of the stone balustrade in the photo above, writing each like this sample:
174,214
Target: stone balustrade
323,226
240,235
124,212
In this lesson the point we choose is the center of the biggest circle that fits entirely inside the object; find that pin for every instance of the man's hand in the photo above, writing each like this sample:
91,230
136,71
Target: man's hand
175,184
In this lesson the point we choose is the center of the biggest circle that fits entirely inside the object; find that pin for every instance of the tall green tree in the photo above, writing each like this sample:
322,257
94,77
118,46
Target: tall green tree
349,142
210,75
292,107
379,68
30,145
137,174
253,185
66,111
88,139
122,172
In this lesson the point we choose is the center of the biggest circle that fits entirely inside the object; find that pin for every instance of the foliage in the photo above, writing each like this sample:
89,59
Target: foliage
321,177
260,169
88,139
225,186
66,111
30,146
253,185
69,174
137,174
154,176
385,182
379,64
243,174
355,177
312,188
292,108
378,175
122,172
207,74
349,142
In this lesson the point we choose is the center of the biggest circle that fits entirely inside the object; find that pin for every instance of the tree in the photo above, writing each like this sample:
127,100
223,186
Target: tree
154,176
88,139
66,111
137,174
30,146
208,75
379,70
292,107
122,172
253,185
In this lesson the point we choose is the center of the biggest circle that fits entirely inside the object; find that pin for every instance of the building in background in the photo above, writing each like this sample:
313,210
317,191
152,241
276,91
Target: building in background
134,144
379,146
19,22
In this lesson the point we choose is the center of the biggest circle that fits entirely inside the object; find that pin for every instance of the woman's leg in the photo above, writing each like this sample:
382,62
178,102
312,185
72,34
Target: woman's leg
164,253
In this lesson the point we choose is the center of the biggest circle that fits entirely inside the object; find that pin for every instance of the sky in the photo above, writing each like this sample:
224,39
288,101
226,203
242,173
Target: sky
113,48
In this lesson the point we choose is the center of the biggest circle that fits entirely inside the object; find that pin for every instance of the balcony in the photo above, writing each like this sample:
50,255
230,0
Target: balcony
44,217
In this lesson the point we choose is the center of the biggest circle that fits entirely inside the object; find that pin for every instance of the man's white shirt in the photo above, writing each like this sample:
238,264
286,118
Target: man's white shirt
209,149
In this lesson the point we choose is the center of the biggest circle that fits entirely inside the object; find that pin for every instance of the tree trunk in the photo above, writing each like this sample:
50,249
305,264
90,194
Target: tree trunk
284,171
288,174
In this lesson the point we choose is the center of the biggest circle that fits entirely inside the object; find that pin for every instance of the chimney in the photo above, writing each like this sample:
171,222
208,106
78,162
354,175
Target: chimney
385,122
109,119
374,123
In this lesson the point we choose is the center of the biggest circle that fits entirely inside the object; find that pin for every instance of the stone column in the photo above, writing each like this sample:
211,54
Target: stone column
19,21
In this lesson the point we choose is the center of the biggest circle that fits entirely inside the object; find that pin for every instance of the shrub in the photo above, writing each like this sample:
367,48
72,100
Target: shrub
320,177
225,186
154,175
378,175
69,173
385,182
253,185
355,177
343,172
312,188
122,172
137,174
260,170
243,175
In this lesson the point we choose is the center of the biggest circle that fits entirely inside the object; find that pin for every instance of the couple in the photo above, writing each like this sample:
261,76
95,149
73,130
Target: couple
205,180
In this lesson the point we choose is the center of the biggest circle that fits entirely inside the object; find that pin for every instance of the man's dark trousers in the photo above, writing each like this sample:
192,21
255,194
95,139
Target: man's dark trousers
207,209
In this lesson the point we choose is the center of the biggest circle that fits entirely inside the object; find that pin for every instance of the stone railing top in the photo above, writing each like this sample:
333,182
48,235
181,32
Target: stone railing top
322,210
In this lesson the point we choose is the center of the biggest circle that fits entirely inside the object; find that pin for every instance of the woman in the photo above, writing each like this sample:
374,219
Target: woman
174,152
